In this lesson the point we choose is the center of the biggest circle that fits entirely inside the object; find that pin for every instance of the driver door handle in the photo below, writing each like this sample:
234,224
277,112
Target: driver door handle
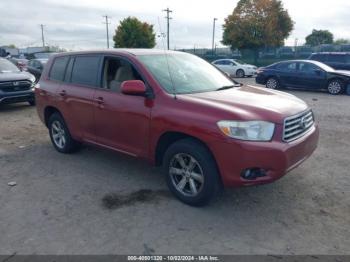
99,100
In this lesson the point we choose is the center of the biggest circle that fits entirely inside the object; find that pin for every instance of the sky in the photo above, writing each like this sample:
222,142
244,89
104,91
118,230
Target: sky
78,24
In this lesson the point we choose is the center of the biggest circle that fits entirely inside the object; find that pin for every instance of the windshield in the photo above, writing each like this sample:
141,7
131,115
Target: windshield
324,66
185,73
7,66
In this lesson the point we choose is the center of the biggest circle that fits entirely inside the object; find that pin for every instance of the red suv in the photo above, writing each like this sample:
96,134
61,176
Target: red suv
175,110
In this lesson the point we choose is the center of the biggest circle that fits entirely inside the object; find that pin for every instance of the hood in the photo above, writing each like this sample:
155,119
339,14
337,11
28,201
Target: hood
342,72
252,103
16,76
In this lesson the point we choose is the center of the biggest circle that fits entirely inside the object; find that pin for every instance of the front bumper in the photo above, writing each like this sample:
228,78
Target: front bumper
16,97
276,157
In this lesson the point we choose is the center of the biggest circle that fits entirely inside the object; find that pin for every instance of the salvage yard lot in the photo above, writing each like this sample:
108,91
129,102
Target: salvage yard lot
101,202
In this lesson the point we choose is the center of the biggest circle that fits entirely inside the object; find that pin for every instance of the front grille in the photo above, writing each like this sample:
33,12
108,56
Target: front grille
15,86
296,126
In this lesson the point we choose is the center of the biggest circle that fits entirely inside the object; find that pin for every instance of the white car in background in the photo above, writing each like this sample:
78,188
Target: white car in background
235,67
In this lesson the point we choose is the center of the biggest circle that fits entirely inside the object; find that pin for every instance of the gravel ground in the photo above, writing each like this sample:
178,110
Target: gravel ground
100,202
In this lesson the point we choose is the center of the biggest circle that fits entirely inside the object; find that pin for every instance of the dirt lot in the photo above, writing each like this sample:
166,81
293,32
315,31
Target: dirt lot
71,204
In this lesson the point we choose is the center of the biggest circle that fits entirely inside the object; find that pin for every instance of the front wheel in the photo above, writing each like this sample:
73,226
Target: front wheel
191,172
335,87
60,136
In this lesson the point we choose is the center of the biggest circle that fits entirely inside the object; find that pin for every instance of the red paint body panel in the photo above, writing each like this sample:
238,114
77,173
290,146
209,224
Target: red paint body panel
134,124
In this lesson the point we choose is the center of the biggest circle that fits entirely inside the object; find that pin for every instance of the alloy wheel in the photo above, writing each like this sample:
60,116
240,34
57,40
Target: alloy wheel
334,87
271,83
186,174
58,134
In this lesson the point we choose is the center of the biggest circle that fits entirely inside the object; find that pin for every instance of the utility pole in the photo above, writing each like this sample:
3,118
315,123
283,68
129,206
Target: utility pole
42,34
213,43
296,47
168,11
107,23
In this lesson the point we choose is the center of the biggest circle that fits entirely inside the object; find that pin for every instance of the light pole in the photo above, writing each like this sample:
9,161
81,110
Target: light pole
213,43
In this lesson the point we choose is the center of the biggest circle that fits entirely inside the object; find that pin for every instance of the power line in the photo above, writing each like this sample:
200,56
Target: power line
107,31
168,11
42,34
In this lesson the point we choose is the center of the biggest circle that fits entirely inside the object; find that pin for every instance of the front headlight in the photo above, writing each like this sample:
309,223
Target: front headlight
249,130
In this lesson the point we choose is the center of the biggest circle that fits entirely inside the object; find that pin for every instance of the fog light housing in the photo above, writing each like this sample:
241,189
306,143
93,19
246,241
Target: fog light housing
253,173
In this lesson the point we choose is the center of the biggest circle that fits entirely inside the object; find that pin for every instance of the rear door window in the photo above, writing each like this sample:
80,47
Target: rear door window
58,68
86,70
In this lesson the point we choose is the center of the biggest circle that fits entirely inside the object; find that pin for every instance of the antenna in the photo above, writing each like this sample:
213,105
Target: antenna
166,57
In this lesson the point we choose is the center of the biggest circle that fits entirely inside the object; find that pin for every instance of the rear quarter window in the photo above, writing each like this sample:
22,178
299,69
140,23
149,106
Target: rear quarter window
58,68
85,70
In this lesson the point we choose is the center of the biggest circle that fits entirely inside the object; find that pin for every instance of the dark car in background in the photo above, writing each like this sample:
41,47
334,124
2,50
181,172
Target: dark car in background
36,66
337,60
305,74
15,85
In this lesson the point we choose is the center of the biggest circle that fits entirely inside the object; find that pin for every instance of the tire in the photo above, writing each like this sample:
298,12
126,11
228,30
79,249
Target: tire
31,102
272,83
60,136
194,180
335,87
240,73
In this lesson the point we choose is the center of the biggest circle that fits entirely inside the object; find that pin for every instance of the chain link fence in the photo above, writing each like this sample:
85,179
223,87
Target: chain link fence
265,56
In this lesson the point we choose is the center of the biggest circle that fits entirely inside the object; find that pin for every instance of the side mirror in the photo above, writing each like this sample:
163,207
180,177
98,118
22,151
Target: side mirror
133,87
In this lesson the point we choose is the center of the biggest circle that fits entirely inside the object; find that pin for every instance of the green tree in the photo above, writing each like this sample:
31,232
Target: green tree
255,24
132,33
319,37
342,41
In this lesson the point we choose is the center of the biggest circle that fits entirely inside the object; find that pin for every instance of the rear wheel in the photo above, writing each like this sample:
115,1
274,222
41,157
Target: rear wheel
240,73
191,172
60,136
272,83
335,87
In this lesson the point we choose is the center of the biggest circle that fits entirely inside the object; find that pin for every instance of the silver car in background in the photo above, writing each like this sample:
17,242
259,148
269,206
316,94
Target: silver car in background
235,68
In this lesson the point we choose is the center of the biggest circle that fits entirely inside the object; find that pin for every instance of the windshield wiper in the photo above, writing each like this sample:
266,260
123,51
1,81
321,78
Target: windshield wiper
226,87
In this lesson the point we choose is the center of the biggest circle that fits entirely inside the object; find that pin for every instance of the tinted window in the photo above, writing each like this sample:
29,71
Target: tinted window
58,68
287,66
307,67
337,58
85,70
219,63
